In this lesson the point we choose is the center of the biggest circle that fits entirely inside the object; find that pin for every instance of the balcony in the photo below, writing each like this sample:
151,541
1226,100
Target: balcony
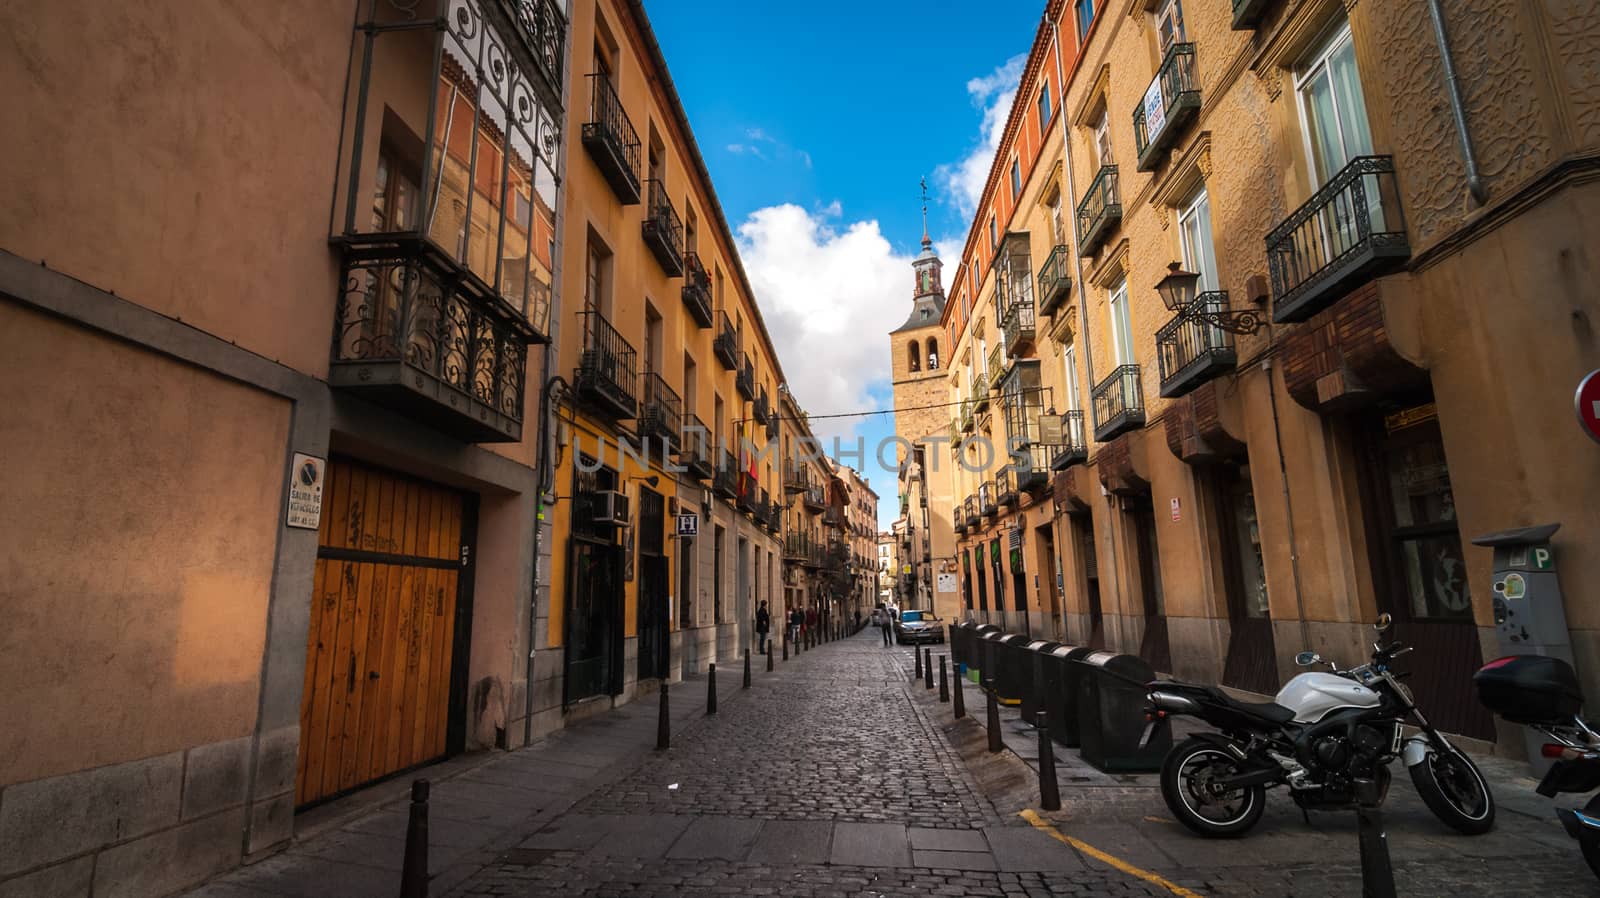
960,521
834,517
772,424
814,500
662,229
1169,105
747,500
968,422
988,504
1349,232
1017,325
612,143
726,481
760,410
1074,446
998,367
1118,403
979,393
662,414
795,479
726,345
1055,283
608,373
955,435
543,29
970,507
697,290
1247,13
694,448
797,547
1192,351
1034,473
414,336
745,380
1100,212
1005,487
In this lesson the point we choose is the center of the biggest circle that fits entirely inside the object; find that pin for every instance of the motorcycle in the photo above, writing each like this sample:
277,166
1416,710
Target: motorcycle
1328,736
1543,693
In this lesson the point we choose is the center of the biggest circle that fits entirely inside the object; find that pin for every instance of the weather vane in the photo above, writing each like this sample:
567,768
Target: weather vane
924,183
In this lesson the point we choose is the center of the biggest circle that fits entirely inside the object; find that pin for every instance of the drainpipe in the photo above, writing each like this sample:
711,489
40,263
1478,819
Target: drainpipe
1288,506
1452,86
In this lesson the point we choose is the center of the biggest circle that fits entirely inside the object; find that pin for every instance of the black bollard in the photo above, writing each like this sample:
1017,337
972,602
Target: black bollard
916,674
769,656
1049,792
927,668
746,670
995,743
960,698
663,722
1377,875
711,689
944,681
414,868
786,647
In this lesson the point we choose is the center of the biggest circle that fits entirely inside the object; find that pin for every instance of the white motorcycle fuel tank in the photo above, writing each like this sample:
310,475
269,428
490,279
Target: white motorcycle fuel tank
1312,695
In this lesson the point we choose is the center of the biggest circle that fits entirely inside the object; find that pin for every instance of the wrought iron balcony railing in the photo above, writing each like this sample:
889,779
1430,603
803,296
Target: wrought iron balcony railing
1247,13
960,522
1055,282
413,337
726,481
772,423
1118,403
797,546
979,393
726,344
694,448
662,229
609,138
1349,232
968,422
1005,487
697,290
661,416
1168,106
1100,212
1190,350
745,380
1033,472
988,499
543,27
955,435
833,517
1074,447
973,515
1017,325
814,500
997,366
796,479
608,374
759,409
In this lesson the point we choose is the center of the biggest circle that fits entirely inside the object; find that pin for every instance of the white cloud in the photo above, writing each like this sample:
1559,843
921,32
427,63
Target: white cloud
829,293
992,93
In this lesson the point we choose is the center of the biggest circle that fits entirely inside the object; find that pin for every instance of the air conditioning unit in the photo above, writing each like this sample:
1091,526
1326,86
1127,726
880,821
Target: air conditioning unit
610,507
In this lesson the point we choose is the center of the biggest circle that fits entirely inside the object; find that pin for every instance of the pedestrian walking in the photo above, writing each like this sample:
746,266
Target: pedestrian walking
794,625
811,619
763,624
885,622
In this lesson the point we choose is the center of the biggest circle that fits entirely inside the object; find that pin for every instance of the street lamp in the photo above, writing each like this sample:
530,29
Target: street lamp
1178,292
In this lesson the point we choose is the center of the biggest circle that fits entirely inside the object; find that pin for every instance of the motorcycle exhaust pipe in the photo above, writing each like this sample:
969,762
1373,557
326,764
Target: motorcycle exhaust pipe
1173,703
1260,777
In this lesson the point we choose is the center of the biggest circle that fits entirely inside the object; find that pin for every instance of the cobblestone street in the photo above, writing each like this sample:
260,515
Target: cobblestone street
837,774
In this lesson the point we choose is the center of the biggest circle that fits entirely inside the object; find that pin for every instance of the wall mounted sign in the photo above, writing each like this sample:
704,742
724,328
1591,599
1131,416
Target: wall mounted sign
1177,510
688,525
305,491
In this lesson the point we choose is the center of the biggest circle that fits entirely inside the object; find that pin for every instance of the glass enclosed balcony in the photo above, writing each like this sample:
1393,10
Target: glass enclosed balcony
1349,232
988,500
1100,212
1118,403
611,141
1014,275
1191,351
608,375
970,510
662,229
1005,487
1170,103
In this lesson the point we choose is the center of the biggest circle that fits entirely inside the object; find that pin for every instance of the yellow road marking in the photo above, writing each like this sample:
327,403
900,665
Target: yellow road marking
1044,826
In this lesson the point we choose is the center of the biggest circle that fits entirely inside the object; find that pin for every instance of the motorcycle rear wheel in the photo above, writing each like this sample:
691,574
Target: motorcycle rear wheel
1187,778
1455,791
1588,840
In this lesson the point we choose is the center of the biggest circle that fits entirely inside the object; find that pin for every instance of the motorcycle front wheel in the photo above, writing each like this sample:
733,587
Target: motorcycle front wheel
1454,790
1190,784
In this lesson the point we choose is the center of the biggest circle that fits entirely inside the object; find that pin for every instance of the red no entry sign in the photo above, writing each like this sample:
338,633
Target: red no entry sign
1588,405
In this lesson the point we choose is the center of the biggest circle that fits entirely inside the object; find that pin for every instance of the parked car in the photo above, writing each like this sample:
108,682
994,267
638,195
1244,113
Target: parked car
916,627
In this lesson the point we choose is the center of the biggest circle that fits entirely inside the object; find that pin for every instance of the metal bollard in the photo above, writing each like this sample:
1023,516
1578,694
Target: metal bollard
786,646
995,743
916,674
711,689
769,656
1049,792
663,722
927,668
746,670
944,680
960,699
414,868
1377,875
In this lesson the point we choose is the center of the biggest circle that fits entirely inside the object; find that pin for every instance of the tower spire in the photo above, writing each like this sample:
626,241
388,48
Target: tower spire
926,243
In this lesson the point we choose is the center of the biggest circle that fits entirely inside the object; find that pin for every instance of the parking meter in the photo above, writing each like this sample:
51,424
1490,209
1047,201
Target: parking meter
1530,615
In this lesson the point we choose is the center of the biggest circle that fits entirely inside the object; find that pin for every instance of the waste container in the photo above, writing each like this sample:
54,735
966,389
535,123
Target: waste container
1010,665
1113,734
982,665
1033,684
1061,692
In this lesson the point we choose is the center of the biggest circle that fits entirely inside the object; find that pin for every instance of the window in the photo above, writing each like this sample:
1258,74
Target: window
1121,325
1016,177
1069,361
597,277
652,339
933,354
994,238
394,195
690,391
1102,141
1085,18
914,356
1044,109
1169,23
719,287
690,225
983,353
1058,228
1333,107
1194,232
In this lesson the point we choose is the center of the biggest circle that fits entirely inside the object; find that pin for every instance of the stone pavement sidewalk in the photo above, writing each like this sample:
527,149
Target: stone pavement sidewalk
480,805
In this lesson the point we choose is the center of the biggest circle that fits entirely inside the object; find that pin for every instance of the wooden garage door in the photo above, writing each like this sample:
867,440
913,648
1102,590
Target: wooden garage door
383,621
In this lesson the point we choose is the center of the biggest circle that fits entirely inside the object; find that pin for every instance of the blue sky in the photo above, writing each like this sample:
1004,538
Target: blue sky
817,120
